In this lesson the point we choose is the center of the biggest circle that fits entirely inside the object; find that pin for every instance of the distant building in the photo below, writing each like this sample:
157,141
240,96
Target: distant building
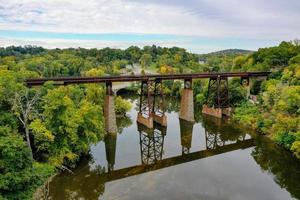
201,61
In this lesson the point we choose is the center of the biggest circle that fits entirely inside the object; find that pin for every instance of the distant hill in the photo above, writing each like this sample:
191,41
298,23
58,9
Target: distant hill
229,52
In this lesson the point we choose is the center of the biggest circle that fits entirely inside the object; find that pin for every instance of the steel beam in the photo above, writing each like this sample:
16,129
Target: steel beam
132,78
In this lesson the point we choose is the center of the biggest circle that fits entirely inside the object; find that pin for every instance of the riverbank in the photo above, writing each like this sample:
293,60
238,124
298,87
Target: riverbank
282,128
42,191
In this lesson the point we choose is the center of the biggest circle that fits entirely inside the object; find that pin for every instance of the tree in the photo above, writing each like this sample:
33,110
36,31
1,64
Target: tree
163,60
237,93
93,72
121,105
165,69
70,123
9,86
133,54
296,148
238,62
289,100
178,58
23,106
19,176
145,60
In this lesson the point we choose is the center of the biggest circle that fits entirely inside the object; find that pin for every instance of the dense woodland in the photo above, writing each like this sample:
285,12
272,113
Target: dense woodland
45,130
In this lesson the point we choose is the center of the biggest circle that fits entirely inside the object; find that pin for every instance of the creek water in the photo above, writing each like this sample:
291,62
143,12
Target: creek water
209,159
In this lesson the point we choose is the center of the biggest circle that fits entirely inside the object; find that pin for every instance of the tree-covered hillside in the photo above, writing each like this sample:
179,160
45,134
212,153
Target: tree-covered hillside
229,52
278,112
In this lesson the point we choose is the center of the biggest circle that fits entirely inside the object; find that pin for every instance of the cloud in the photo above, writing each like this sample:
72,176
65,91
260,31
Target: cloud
262,19
192,24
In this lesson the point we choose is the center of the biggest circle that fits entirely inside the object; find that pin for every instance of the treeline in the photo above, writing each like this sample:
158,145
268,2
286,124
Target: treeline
20,51
74,62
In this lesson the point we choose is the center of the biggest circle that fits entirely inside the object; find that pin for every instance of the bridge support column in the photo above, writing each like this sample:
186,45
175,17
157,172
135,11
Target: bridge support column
217,99
152,104
216,112
147,121
110,141
159,104
145,115
187,102
109,110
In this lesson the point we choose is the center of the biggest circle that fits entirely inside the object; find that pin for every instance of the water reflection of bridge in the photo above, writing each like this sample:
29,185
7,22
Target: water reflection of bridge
218,141
89,181
151,143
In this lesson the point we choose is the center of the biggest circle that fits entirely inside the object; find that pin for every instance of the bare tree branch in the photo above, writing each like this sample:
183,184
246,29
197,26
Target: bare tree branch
65,168
23,107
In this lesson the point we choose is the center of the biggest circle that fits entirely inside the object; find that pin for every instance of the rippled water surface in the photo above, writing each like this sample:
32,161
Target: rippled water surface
208,159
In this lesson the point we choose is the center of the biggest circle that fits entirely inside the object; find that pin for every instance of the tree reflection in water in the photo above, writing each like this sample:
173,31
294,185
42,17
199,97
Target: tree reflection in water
277,161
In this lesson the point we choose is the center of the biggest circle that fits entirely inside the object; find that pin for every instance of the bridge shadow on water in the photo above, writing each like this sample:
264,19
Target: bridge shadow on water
90,179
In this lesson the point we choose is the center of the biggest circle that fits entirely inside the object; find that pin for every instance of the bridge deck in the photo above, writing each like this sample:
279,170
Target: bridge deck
130,78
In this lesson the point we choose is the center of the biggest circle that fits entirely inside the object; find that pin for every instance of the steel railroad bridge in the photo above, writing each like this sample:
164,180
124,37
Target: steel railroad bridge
151,105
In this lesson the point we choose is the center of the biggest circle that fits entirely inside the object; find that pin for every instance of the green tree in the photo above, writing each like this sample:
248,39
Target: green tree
237,93
70,123
145,60
122,105
19,176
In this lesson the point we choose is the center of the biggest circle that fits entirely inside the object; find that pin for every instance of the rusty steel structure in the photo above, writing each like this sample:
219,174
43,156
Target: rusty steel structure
151,98
151,143
151,104
129,78
217,93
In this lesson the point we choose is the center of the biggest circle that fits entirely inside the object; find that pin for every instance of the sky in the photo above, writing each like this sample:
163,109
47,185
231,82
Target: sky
200,26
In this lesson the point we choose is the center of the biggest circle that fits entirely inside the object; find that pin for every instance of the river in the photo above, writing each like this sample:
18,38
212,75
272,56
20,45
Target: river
209,159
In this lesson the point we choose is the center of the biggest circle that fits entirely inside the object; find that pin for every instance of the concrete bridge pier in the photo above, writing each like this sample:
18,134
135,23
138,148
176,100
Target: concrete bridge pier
147,121
109,110
162,120
110,141
186,135
187,102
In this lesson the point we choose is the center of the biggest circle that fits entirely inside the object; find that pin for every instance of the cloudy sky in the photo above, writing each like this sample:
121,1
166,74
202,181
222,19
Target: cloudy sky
197,25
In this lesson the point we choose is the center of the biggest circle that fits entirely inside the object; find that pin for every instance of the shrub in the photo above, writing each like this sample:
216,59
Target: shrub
296,148
285,139
247,113
121,105
200,99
